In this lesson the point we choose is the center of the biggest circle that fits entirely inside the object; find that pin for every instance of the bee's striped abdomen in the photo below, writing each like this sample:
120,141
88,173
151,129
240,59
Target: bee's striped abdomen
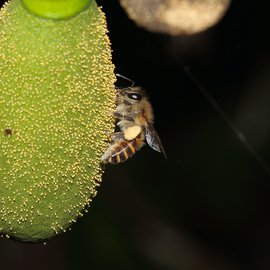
122,150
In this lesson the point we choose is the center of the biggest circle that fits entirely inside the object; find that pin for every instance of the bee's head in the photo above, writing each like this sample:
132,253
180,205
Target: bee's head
133,94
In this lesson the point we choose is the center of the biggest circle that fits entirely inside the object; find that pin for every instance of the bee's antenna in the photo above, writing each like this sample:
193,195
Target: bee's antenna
126,78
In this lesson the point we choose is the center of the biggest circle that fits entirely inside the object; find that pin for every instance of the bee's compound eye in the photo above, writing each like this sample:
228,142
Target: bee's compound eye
134,96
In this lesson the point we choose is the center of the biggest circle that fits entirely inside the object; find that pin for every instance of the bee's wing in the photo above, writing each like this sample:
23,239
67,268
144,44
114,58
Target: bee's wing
153,139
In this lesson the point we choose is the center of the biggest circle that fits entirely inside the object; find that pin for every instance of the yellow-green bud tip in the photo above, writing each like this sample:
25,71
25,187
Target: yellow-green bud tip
56,9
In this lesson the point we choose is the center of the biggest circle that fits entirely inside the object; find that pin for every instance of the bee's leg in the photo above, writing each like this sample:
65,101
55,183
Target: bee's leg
118,115
117,136
123,117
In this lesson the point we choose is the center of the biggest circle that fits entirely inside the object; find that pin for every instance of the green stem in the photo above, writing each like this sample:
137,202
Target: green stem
56,9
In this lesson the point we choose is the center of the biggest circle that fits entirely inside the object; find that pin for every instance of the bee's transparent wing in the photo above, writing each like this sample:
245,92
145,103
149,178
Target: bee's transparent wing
153,139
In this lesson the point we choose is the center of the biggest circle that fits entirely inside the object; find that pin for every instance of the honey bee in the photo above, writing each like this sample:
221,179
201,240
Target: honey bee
135,120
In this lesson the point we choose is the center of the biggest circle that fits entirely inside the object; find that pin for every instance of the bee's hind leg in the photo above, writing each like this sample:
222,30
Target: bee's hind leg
123,117
117,136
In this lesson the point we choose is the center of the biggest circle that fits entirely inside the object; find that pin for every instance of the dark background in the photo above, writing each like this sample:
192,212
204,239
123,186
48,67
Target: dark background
207,207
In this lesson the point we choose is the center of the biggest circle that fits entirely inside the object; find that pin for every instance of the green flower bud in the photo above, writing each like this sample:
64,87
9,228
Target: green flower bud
57,95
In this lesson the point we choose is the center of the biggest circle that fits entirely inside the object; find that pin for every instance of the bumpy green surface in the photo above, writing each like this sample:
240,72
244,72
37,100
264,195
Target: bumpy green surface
56,83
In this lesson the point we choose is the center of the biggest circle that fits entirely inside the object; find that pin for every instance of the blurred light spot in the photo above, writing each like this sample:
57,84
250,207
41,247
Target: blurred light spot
176,17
